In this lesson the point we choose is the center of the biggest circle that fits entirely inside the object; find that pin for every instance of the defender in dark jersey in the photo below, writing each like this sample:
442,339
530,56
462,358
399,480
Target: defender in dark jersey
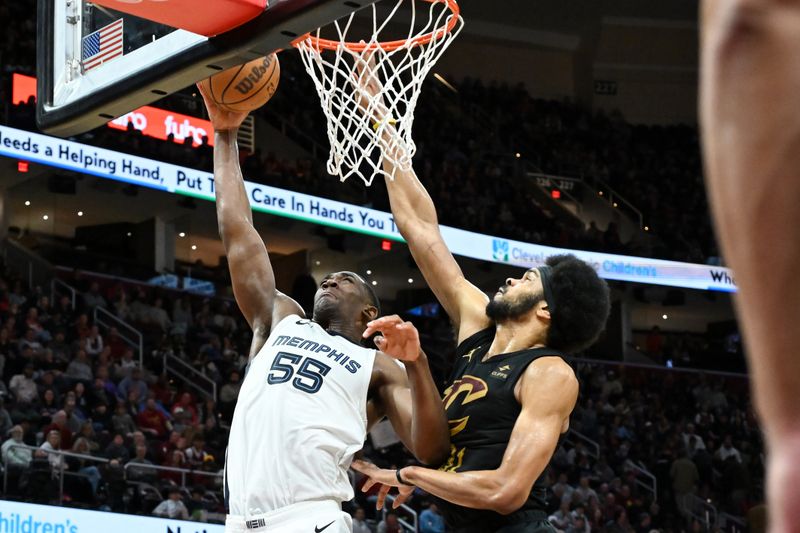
512,392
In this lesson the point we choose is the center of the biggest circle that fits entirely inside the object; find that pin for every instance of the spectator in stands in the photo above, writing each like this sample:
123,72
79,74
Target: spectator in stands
156,315
29,341
115,343
75,418
173,506
138,438
562,518
359,521
116,449
583,492
152,420
99,394
49,404
389,524
181,317
80,368
52,444
32,323
60,348
23,387
196,455
198,510
228,394
186,404
125,367
620,523
15,458
685,476
84,466
691,440
59,424
176,459
82,327
93,343
727,450
431,520
87,432
133,383
165,448
93,298
121,307
122,422
138,473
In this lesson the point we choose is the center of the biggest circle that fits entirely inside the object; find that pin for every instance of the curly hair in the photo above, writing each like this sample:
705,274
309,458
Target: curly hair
582,304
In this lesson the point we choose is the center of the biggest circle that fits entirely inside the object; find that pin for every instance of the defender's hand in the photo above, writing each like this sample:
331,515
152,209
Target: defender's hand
221,119
386,479
398,339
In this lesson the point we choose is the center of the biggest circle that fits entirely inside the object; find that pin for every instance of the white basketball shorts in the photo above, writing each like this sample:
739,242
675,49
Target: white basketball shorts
304,517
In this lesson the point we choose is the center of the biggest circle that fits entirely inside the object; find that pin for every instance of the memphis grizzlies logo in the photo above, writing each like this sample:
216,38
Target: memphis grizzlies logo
500,250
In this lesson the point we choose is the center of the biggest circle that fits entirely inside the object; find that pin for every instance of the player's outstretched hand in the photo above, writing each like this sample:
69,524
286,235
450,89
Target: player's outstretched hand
386,479
398,339
221,119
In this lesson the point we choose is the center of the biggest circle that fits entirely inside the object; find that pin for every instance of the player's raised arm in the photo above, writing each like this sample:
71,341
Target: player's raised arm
415,215
251,271
409,399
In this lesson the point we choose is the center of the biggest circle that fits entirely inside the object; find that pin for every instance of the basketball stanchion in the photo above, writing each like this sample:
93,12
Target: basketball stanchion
364,126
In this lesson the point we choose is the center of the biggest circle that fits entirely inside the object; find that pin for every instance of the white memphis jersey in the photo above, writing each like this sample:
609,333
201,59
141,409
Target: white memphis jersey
300,417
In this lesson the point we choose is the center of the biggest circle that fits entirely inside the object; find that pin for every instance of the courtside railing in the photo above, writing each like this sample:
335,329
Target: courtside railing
61,470
58,288
177,368
644,478
573,437
34,269
406,517
701,510
182,471
132,336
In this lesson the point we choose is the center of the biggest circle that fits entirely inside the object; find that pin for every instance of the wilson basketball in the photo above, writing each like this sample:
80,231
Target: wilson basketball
246,87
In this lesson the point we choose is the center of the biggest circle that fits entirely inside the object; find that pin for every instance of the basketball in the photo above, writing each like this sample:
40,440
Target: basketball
246,87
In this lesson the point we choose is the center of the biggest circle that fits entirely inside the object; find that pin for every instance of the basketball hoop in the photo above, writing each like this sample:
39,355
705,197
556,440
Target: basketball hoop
399,66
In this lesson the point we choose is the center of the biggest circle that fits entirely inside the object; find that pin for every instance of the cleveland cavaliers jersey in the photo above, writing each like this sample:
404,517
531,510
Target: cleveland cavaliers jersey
300,416
482,411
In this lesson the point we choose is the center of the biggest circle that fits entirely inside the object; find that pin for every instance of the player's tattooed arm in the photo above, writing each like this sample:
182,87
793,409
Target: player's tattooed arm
408,398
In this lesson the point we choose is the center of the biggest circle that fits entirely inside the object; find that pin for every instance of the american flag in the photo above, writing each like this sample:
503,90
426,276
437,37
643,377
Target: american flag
103,45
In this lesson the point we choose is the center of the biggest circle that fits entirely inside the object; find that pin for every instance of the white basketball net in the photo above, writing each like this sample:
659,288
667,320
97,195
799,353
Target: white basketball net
363,127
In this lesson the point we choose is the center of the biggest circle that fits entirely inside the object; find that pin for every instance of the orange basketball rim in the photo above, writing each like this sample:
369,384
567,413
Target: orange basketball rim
328,44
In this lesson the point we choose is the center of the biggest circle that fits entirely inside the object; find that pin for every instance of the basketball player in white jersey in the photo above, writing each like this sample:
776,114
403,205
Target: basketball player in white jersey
311,390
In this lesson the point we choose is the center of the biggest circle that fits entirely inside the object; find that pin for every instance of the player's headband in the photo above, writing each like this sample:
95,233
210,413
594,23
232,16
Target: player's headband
544,273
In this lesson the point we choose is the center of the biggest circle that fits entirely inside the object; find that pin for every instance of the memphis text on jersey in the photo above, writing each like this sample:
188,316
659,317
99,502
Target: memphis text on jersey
350,365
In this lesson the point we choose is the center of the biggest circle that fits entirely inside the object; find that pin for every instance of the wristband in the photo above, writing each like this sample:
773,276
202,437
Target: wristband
401,480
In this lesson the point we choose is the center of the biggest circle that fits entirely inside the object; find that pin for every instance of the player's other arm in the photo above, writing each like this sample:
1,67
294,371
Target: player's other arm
250,268
750,114
548,392
409,399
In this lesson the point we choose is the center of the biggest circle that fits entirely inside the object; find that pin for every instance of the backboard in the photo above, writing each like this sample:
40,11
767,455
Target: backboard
96,62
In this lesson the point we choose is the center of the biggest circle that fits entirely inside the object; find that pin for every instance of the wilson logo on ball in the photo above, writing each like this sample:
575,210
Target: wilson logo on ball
255,75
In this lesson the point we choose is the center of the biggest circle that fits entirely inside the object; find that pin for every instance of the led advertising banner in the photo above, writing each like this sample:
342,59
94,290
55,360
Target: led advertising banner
171,178
19,517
